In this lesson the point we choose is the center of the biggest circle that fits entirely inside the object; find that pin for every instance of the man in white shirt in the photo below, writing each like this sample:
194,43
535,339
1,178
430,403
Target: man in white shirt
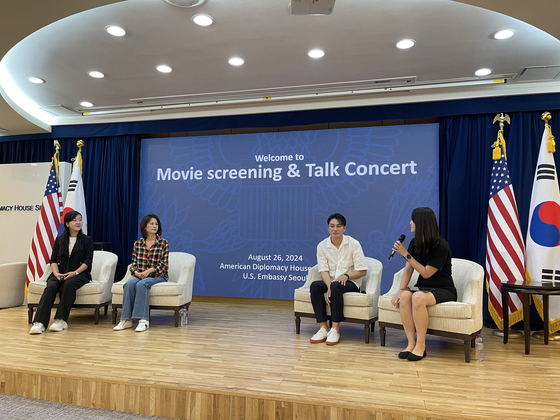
342,265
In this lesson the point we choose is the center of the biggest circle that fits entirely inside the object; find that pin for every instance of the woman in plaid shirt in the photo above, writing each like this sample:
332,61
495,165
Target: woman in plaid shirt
150,262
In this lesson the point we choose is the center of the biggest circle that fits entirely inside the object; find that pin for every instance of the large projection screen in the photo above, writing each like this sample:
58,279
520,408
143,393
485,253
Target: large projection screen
253,207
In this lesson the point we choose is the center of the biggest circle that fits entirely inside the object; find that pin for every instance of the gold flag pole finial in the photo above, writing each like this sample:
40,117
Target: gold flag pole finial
500,141
551,145
56,156
80,144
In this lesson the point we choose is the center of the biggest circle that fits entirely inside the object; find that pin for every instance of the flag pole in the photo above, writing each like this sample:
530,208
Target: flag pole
551,148
497,147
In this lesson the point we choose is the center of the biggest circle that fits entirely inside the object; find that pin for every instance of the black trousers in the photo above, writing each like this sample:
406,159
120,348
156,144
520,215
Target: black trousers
67,290
319,288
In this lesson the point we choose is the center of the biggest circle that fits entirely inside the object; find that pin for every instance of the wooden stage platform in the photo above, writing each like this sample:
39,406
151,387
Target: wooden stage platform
241,360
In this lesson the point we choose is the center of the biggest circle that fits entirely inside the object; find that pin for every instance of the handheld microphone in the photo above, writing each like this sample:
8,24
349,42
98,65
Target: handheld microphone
401,239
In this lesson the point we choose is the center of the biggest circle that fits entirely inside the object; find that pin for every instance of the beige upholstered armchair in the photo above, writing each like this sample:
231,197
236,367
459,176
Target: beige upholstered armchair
461,319
12,284
174,294
95,294
358,307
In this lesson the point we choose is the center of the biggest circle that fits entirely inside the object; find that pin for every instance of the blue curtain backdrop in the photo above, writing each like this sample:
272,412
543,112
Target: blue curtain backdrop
110,183
465,169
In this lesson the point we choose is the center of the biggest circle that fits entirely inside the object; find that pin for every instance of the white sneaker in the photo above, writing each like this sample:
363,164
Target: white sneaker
58,325
333,337
123,325
37,328
320,336
143,325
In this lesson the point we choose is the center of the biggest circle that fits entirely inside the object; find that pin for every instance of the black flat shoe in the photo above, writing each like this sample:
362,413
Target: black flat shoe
403,354
414,358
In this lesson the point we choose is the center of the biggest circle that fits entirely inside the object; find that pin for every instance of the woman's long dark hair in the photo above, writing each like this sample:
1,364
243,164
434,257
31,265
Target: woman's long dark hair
426,235
65,235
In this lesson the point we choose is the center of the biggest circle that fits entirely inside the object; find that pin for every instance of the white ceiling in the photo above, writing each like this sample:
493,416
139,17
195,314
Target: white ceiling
453,40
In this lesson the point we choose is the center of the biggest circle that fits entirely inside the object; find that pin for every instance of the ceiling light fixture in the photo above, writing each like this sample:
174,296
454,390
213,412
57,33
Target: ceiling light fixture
185,3
115,30
405,44
483,72
164,69
316,53
96,74
36,80
236,61
86,104
504,34
257,98
203,20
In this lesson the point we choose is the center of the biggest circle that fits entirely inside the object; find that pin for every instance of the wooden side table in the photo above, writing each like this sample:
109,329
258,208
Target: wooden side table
537,287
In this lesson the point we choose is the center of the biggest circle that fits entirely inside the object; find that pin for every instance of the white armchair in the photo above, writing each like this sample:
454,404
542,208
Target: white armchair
358,307
461,319
174,294
95,294
12,284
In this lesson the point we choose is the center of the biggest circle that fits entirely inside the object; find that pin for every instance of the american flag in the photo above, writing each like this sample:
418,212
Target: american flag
505,252
46,229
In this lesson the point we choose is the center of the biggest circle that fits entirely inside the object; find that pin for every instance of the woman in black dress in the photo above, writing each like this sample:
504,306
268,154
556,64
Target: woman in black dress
429,254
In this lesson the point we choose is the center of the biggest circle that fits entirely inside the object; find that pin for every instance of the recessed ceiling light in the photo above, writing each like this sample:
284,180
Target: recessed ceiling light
203,20
96,74
483,72
405,44
236,61
115,30
36,80
86,104
316,53
504,34
185,3
163,68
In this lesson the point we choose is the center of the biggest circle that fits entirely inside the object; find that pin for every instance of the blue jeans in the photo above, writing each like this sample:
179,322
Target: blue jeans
136,297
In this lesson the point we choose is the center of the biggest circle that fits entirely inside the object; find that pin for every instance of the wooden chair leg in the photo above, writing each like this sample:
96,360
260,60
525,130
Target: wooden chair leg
114,315
467,347
382,336
298,324
366,332
96,312
29,314
106,309
177,317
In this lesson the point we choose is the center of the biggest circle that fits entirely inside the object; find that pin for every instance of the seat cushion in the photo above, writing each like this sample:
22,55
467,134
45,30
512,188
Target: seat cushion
89,293
350,298
160,289
453,310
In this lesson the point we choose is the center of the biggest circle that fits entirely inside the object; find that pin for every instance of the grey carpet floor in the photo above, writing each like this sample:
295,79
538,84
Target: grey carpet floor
13,407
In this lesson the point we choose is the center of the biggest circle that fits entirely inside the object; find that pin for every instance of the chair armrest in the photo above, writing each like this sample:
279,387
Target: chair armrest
473,289
312,275
397,282
127,276
46,274
108,269
186,276
373,276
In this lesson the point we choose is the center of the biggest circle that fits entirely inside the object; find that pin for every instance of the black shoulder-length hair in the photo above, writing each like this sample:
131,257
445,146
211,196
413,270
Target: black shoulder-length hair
65,235
426,234
145,220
